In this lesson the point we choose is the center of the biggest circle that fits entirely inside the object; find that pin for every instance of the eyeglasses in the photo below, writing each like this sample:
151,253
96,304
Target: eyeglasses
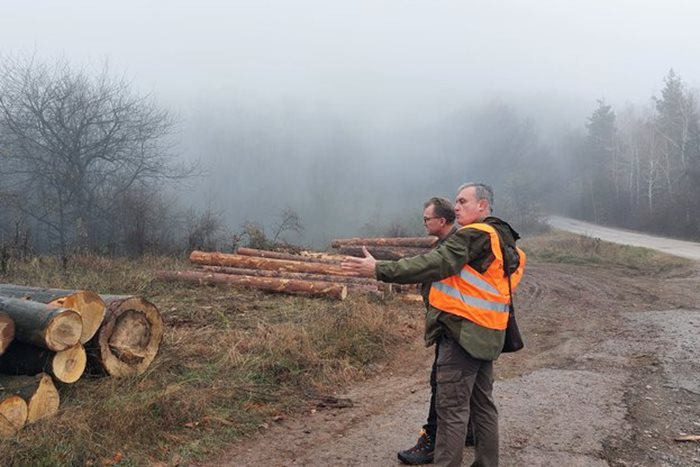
426,219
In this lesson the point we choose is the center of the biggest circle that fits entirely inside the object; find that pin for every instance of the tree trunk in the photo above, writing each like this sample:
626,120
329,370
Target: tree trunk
43,325
287,256
251,262
413,242
67,366
383,252
7,331
88,305
13,414
129,338
300,275
270,284
38,392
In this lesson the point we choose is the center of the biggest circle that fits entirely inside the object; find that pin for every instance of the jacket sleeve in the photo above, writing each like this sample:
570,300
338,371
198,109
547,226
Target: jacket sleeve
444,261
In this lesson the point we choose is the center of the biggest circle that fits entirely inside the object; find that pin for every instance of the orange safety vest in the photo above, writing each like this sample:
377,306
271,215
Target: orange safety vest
482,298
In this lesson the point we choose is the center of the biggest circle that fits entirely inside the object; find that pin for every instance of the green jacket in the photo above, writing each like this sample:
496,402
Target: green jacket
466,246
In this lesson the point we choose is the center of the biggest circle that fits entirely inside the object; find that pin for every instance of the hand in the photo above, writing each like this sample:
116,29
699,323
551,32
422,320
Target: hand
361,266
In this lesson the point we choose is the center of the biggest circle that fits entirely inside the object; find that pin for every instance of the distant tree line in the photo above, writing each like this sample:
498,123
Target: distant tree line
640,169
84,164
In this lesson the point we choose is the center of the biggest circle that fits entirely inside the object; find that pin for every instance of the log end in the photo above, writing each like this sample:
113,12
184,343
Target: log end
13,415
44,403
69,365
64,330
130,338
89,306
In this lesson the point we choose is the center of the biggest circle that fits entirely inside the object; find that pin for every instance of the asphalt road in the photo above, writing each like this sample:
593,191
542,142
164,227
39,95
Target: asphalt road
684,249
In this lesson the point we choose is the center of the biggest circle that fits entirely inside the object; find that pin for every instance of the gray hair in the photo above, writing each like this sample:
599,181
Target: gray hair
483,191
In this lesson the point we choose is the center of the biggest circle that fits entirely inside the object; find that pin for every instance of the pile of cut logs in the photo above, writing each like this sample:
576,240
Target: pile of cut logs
308,273
55,335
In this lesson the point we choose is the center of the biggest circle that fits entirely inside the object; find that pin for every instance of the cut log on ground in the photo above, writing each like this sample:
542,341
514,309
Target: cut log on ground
270,284
38,392
252,262
415,242
129,338
67,366
290,257
13,414
88,305
47,326
7,331
383,252
378,285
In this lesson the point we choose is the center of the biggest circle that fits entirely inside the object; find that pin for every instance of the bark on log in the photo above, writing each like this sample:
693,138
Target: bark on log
300,275
252,262
43,325
67,366
271,284
383,252
129,338
7,331
415,242
88,305
38,392
287,256
13,414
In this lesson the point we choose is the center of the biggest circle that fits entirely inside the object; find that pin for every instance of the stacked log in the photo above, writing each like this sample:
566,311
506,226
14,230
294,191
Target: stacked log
383,252
256,262
311,273
66,366
412,242
45,326
128,340
39,392
353,283
87,304
288,256
44,334
272,284
387,248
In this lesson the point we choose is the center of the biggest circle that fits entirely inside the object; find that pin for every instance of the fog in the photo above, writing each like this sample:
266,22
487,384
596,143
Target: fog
353,113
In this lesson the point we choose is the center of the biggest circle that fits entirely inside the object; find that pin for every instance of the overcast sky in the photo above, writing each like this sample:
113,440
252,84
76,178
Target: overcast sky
375,54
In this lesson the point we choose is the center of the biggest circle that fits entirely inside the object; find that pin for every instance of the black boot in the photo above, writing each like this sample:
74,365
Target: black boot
422,453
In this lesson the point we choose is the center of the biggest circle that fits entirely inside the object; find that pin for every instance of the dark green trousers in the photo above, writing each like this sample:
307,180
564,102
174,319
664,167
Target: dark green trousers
464,386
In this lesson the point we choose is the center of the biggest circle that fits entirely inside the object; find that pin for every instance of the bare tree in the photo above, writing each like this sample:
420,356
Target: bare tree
72,143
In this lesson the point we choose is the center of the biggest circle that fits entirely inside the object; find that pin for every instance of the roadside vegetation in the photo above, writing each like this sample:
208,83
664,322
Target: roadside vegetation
563,247
233,361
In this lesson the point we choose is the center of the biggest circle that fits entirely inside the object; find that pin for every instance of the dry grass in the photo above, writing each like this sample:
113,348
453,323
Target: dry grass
230,361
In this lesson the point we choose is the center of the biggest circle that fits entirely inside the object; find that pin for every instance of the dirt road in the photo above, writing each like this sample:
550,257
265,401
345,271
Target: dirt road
610,376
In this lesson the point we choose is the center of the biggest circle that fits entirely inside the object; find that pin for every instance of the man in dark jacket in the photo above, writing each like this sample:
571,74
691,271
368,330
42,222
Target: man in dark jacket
439,221
466,318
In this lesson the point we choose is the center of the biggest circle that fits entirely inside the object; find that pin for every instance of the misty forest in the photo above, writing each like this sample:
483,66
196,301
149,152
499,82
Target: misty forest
88,163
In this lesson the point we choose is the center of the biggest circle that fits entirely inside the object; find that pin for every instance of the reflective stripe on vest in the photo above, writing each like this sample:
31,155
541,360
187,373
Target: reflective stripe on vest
482,298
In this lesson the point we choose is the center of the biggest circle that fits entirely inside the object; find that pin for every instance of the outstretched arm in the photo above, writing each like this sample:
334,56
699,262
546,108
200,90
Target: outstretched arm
361,266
